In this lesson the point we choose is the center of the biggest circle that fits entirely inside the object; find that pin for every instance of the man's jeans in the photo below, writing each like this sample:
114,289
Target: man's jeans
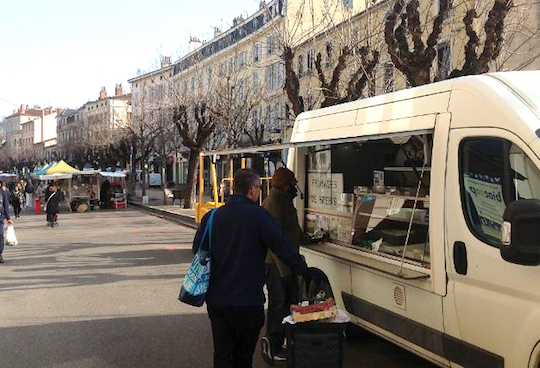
235,331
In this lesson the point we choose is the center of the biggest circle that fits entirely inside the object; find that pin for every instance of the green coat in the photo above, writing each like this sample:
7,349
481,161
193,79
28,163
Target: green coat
280,206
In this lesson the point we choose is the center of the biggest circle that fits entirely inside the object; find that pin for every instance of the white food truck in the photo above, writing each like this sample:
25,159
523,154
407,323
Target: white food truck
430,196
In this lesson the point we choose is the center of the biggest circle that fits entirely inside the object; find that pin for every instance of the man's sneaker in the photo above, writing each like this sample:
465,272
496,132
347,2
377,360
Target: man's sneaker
1,259
280,355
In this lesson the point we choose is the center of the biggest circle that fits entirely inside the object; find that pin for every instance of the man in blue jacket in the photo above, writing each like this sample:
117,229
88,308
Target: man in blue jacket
4,214
242,233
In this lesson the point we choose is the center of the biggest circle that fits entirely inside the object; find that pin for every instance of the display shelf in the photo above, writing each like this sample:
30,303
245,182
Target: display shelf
348,215
406,169
378,261
384,195
393,218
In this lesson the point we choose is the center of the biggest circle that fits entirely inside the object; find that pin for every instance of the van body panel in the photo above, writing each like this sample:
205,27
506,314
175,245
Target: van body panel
338,272
338,120
436,216
424,122
496,302
534,361
425,105
493,105
408,97
394,295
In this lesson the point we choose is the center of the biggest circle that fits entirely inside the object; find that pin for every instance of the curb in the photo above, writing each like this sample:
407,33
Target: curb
173,217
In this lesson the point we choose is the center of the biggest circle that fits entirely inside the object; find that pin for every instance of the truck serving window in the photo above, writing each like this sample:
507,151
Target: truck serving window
494,172
373,195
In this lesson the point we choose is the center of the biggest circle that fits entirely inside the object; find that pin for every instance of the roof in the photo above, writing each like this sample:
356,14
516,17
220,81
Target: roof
391,113
68,112
29,112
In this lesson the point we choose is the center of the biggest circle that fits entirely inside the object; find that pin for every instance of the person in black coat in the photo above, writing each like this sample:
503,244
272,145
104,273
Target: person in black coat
4,214
52,204
15,200
242,233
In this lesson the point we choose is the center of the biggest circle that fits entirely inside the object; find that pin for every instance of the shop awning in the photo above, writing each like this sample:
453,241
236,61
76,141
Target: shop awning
56,176
44,169
116,174
62,168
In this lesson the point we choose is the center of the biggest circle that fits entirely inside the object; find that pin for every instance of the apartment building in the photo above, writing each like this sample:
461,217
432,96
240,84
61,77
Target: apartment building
29,131
364,26
69,133
101,118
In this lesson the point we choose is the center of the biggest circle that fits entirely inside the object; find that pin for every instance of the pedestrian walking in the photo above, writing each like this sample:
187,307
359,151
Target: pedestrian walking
40,193
4,214
29,193
52,205
16,200
21,185
242,234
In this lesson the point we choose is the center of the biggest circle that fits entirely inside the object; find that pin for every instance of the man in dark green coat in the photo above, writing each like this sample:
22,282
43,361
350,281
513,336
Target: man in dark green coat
282,285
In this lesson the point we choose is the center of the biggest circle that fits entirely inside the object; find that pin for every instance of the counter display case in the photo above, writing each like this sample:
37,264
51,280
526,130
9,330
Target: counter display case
392,224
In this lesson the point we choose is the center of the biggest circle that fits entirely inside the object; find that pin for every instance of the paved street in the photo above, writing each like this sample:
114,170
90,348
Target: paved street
100,291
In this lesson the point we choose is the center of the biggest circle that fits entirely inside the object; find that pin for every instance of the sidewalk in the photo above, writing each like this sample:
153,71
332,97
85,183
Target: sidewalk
168,211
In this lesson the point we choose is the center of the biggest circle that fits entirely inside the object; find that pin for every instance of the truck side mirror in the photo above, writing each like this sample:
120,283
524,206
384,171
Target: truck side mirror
521,233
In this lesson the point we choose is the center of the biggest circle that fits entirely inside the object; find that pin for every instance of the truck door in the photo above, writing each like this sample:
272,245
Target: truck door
491,303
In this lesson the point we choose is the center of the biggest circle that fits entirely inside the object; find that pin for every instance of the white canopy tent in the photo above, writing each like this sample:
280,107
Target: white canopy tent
60,176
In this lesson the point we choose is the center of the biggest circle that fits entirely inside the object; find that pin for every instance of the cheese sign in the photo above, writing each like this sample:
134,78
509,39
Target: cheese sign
325,190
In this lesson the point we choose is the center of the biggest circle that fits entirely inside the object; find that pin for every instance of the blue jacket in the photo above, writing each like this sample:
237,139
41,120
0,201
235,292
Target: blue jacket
242,233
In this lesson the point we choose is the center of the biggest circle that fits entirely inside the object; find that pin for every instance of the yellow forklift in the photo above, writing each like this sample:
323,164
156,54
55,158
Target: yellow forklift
218,168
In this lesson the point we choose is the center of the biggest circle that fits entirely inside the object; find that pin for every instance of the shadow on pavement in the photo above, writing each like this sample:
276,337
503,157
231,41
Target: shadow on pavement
138,342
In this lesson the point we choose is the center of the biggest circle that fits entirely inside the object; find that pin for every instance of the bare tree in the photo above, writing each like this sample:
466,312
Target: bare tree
234,99
342,64
415,59
195,125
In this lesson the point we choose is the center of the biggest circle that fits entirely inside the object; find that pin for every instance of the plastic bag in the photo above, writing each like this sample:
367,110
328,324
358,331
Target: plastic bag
11,239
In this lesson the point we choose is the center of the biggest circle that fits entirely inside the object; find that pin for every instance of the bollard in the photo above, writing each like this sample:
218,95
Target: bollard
37,206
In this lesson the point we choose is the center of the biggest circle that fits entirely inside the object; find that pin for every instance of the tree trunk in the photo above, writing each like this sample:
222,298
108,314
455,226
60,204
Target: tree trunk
193,164
143,174
163,175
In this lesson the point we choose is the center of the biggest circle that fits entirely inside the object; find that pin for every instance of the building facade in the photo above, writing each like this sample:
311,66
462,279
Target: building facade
102,118
27,128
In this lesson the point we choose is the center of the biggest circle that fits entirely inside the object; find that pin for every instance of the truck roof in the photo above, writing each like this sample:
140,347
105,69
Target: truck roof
357,118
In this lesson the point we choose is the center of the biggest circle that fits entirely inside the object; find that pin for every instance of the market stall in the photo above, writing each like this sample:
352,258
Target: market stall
63,182
113,189
85,190
8,178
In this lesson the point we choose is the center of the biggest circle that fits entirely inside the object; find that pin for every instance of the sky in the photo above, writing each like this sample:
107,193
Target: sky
60,53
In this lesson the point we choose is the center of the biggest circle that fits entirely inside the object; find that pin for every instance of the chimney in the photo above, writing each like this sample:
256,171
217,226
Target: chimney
23,108
217,31
194,43
118,90
238,20
165,61
102,94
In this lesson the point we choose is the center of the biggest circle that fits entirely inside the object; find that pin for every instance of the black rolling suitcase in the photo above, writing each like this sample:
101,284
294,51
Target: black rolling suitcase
315,345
